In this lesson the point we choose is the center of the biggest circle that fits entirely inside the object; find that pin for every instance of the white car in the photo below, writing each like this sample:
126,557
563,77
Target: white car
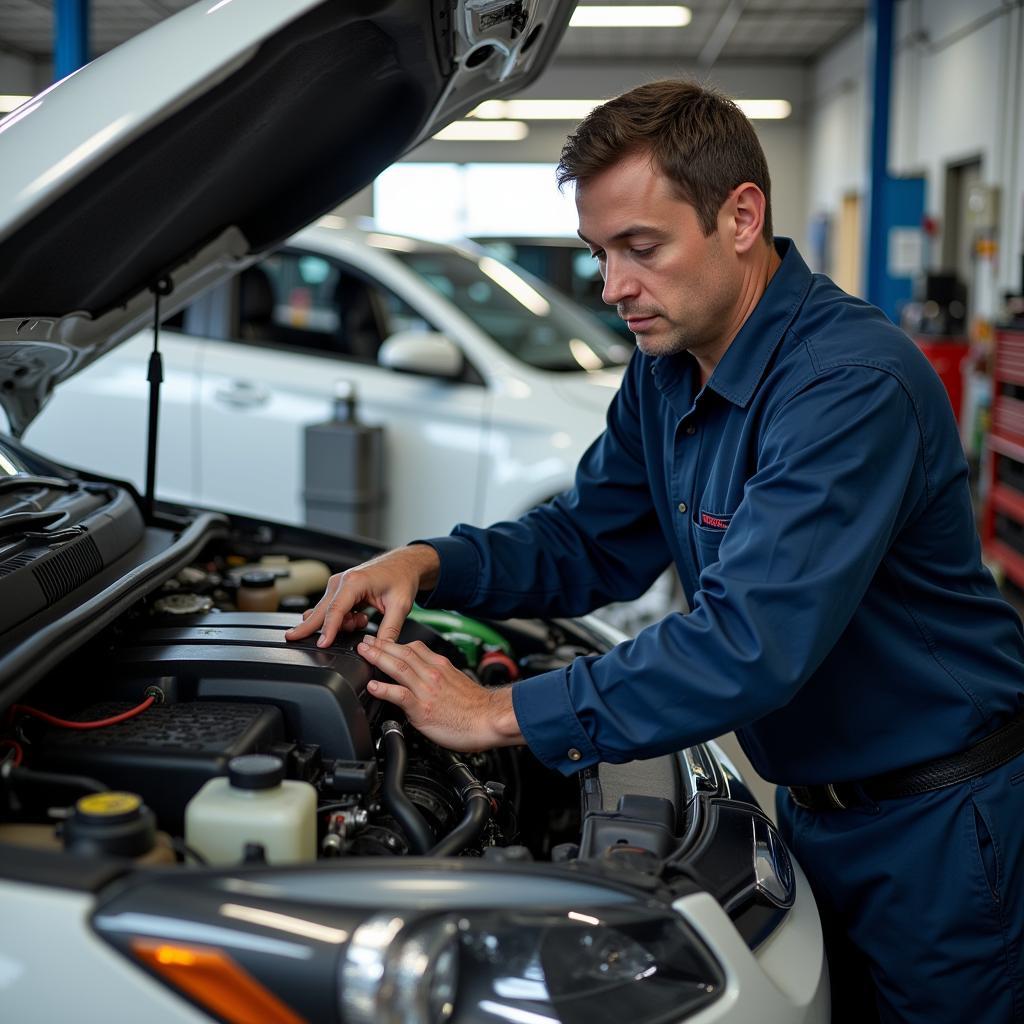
200,821
489,386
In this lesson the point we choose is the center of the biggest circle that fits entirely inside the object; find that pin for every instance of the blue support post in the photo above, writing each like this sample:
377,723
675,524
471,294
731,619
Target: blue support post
70,36
880,77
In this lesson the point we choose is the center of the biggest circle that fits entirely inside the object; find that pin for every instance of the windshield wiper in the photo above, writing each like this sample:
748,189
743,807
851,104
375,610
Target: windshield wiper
17,522
53,483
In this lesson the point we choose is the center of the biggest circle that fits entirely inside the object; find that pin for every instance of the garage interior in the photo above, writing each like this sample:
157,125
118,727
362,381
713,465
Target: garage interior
894,134
953,138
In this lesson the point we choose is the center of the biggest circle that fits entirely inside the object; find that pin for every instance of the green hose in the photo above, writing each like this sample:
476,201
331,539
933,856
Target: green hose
469,635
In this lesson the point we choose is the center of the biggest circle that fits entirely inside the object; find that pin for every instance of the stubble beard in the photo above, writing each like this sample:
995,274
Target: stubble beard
672,340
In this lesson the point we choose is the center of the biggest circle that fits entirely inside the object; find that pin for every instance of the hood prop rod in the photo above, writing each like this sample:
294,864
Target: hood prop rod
155,376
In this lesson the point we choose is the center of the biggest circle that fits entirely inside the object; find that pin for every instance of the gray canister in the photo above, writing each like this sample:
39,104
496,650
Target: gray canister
344,486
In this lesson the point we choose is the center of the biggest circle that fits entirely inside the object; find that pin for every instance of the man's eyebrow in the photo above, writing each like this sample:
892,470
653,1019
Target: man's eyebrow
629,232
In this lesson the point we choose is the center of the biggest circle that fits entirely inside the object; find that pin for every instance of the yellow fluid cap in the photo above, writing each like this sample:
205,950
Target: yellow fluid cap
106,804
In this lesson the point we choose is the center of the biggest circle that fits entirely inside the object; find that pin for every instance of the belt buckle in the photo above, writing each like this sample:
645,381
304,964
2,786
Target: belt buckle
834,797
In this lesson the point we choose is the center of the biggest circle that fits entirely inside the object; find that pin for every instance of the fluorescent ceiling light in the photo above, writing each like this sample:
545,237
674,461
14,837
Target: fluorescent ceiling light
483,131
576,110
765,110
661,16
8,103
535,110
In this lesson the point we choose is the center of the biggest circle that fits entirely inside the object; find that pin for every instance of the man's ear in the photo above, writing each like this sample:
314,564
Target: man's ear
748,208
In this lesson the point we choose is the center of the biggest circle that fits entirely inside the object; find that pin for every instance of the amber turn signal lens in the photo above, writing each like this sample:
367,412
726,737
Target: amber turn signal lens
213,980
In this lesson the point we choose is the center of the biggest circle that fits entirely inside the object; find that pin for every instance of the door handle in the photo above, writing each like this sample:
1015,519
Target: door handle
242,394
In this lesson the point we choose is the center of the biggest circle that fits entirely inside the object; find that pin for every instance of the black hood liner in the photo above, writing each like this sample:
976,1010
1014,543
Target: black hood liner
313,117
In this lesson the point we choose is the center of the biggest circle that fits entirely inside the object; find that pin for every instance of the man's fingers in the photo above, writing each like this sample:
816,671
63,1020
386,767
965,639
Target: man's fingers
397,661
338,610
390,692
307,627
394,666
391,624
353,621
419,648
312,618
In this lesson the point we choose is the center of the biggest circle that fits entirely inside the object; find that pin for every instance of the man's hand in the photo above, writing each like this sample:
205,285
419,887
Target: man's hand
440,701
388,583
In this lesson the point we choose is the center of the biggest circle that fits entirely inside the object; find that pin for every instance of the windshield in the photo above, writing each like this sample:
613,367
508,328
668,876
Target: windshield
525,316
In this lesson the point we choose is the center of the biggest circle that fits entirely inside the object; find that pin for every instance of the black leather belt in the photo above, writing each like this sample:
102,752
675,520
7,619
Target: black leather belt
992,752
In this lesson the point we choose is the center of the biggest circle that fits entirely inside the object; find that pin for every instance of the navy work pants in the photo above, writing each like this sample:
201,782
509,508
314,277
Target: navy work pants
921,900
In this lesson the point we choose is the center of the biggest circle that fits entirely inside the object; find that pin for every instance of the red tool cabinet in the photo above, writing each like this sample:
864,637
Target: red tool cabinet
947,356
1002,527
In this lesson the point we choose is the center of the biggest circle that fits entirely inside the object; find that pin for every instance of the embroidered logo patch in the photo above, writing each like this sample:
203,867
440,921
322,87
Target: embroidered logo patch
714,522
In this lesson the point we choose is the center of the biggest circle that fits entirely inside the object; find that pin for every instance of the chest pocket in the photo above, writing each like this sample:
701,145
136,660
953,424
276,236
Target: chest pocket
708,530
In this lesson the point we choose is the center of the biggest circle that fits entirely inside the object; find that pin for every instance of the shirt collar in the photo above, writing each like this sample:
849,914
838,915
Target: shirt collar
740,370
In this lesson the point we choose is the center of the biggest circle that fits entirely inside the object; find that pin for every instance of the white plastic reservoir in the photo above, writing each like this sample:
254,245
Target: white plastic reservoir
254,804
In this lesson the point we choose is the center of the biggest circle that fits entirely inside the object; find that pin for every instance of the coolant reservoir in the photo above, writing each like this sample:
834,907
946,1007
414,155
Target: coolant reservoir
254,804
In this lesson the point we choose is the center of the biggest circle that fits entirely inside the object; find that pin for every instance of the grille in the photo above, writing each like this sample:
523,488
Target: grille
17,562
68,568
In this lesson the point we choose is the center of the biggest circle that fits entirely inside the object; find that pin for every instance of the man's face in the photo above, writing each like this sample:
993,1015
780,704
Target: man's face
675,288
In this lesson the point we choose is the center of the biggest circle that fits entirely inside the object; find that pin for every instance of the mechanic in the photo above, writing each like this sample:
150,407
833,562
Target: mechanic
797,459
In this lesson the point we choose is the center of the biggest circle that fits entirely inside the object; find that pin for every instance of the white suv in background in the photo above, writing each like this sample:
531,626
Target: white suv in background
489,383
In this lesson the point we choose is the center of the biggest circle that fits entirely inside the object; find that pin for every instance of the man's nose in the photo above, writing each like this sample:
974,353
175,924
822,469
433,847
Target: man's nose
619,284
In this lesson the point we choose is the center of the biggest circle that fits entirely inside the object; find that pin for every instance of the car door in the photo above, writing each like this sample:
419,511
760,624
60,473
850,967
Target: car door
98,419
304,325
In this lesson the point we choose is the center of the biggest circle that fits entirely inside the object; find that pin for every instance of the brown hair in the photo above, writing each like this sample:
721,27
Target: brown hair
699,139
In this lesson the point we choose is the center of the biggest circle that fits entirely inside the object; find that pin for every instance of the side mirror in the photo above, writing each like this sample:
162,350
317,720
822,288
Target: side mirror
424,352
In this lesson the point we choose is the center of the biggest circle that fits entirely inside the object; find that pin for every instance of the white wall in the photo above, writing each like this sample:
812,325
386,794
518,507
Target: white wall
836,126
957,95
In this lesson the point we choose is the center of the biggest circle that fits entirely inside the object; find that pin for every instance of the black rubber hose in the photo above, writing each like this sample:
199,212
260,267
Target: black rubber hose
478,809
31,777
398,804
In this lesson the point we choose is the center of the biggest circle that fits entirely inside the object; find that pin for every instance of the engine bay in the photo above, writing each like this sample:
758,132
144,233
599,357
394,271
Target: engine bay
154,716
161,703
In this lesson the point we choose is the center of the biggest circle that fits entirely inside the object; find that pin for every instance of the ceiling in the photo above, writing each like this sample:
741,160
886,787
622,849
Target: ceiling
726,30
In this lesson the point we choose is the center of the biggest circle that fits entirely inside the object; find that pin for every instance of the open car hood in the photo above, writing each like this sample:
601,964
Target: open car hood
173,160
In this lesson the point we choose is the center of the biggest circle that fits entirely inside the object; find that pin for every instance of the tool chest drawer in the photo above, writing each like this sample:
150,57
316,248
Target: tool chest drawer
1002,525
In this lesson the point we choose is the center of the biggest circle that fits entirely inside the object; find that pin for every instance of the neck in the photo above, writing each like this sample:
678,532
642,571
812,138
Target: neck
757,273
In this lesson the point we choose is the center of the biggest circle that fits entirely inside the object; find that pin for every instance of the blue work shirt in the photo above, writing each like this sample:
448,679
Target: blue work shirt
813,497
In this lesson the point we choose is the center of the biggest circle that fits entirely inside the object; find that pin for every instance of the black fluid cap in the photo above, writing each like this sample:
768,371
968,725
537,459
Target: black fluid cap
258,578
110,824
255,771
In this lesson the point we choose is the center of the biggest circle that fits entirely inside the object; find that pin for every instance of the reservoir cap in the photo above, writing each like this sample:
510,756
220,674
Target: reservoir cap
255,771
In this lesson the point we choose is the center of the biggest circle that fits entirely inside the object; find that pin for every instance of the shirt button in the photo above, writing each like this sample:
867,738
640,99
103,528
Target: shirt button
691,429
574,754
682,506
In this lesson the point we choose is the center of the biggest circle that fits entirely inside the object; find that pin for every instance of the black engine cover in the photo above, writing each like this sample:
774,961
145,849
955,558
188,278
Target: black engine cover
243,656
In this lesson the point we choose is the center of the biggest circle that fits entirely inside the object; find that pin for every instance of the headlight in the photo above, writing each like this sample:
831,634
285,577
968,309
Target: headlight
639,964
413,944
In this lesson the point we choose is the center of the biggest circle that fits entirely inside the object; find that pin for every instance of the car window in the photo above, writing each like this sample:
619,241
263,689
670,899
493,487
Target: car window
529,319
570,268
304,300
